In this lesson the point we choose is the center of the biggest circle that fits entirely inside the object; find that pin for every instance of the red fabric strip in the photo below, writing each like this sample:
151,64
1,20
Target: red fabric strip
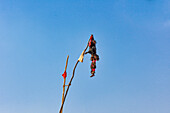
64,74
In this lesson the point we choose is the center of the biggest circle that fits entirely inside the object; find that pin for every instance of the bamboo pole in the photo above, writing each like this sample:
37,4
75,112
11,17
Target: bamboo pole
64,83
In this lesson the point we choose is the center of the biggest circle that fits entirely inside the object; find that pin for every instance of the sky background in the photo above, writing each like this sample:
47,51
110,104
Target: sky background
133,42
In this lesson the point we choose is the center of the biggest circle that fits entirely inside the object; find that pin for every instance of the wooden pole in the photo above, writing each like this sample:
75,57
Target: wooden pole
64,83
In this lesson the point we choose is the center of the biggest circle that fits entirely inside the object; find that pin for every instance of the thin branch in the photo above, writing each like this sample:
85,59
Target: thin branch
64,82
71,81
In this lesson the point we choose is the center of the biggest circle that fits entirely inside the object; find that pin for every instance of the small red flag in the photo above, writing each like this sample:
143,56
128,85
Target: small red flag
64,74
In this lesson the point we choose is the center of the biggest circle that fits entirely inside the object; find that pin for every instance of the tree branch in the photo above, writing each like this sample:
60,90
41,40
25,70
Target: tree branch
71,81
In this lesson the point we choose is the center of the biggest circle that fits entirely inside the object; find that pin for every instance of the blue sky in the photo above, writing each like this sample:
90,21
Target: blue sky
132,37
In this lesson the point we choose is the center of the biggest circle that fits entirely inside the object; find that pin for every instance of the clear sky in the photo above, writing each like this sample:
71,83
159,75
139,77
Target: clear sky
133,42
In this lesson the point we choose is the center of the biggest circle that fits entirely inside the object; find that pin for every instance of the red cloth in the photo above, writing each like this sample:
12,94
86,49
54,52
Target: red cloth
64,74
91,37
94,61
93,69
89,43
